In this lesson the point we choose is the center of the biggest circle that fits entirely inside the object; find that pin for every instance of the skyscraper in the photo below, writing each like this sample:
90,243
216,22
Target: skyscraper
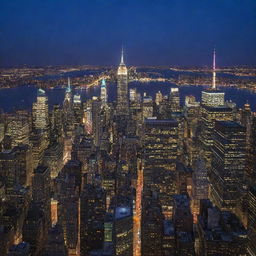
122,88
41,112
159,97
41,190
228,164
213,108
213,97
151,227
147,107
160,156
251,162
123,231
175,100
103,93
18,127
93,209
68,111
209,115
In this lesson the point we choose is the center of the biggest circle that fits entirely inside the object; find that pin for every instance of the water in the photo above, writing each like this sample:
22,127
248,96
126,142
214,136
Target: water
22,97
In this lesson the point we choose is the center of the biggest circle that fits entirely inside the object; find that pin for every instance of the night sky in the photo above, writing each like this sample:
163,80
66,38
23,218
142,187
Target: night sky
153,32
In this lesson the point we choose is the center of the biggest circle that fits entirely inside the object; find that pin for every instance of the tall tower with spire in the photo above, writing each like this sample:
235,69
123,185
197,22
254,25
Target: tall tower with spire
68,92
122,88
214,71
103,92
213,97
213,109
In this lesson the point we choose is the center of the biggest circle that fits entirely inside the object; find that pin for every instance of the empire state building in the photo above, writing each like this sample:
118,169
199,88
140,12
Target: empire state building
122,88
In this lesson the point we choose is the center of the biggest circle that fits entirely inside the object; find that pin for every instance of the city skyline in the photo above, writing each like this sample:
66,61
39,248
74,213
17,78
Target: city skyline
139,138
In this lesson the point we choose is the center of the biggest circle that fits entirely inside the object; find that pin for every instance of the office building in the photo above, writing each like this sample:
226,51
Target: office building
159,157
175,100
93,210
123,231
103,93
122,88
152,227
41,112
227,174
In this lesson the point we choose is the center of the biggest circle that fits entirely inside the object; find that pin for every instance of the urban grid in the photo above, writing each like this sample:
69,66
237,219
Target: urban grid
130,152
140,177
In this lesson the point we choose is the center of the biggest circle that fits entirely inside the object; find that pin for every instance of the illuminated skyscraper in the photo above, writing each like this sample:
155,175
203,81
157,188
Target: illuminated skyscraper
78,111
213,108
147,107
68,93
57,121
103,93
175,100
228,164
159,97
213,97
41,112
122,88
160,156
18,127
133,94
209,115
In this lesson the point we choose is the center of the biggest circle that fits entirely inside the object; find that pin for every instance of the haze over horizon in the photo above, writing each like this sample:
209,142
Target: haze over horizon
164,32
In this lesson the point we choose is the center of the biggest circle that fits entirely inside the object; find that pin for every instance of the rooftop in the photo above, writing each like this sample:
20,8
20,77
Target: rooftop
230,124
122,212
167,122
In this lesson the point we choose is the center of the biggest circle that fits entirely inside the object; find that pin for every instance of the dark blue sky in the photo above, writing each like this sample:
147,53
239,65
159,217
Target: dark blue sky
154,32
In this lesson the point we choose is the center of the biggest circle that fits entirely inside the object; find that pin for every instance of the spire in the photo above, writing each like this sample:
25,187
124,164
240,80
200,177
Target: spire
214,71
69,87
122,56
103,83
40,92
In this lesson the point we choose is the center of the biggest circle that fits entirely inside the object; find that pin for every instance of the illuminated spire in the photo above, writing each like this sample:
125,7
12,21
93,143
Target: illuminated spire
214,71
69,87
122,56
122,70
103,83
41,92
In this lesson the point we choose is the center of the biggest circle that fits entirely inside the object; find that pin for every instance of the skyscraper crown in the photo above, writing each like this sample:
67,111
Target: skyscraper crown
122,70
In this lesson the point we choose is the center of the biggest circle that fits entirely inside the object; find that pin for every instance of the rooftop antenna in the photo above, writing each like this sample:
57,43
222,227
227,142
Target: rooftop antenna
214,71
122,56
